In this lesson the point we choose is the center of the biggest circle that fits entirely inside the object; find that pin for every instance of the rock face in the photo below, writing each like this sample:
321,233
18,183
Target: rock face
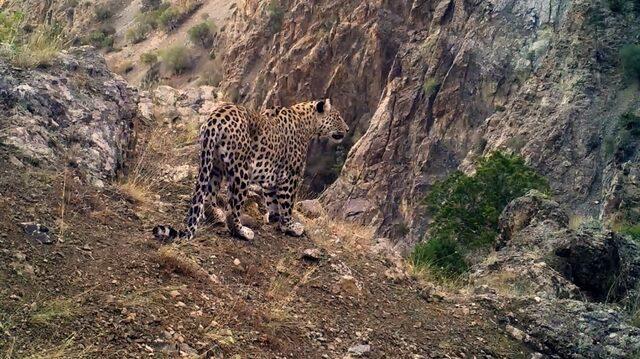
429,86
546,272
75,113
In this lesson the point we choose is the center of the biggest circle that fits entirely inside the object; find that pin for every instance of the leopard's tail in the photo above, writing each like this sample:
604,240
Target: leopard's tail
168,234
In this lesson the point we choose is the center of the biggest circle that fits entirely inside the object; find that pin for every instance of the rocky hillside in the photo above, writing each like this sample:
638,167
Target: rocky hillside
428,86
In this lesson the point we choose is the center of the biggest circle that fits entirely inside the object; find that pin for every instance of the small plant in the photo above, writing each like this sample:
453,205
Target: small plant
170,19
138,33
632,231
150,5
177,59
430,87
202,34
630,61
465,209
276,16
104,12
101,39
626,137
149,58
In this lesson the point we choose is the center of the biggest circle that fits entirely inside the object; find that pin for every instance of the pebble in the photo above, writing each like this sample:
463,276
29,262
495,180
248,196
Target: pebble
360,349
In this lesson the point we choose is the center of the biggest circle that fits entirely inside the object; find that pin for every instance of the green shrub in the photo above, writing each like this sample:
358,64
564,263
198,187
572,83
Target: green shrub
430,87
630,61
138,33
202,34
149,58
442,254
102,39
177,59
150,5
627,136
170,19
465,209
276,16
104,12
632,231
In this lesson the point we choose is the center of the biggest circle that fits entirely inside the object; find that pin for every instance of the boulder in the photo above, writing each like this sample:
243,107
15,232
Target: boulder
75,112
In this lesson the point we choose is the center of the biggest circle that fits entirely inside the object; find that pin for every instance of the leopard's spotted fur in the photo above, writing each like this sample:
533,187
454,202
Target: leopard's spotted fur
265,151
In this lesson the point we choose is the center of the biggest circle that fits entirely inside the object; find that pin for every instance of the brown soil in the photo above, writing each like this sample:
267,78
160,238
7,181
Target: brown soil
107,291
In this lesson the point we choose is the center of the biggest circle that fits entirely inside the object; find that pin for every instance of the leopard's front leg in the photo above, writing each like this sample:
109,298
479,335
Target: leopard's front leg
286,196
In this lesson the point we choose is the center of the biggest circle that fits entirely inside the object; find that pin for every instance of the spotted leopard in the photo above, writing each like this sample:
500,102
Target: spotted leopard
265,151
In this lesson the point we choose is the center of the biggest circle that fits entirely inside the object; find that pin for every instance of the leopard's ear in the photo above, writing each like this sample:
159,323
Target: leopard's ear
323,106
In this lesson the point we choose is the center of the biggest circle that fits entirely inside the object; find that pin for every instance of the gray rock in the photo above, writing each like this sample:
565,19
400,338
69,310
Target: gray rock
75,112
359,349
311,208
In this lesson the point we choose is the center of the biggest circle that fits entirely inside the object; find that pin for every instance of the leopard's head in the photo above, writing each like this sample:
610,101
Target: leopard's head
331,125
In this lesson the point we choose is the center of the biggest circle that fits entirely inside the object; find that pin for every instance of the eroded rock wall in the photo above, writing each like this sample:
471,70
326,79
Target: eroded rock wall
429,86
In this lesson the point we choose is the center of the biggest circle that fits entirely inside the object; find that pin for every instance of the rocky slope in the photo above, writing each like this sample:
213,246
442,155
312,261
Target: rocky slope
431,85
75,112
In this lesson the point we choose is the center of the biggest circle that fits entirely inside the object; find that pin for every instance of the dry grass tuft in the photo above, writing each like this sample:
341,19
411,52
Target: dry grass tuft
54,312
176,261
64,350
352,237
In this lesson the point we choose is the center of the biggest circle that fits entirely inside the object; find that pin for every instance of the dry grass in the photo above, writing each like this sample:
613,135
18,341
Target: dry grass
54,312
64,350
351,237
427,275
179,262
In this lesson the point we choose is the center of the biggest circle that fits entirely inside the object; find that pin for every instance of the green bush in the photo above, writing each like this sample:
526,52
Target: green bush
465,209
138,33
430,87
276,16
101,39
442,254
170,19
177,59
104,12
149,58
202,34
626,138
630,61
632,231
150,5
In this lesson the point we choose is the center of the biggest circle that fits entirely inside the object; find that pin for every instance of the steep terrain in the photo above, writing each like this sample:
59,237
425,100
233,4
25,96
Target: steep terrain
83,277
435,84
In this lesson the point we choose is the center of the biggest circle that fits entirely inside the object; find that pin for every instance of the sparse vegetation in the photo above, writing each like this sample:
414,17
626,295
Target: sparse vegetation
632,231
630,61
465,210
138,32
149,58
150,5
34,48
169,19
276,16
177,59
53,312
430,87
101,38
623,142
202,34
104,12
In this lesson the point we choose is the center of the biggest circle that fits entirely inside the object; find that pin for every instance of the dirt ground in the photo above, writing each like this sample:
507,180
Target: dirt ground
106,289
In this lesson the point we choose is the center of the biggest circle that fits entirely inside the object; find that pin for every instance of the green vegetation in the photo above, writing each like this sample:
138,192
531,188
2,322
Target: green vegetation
53,312
630,61
430,87
177,59
104,12
632,231
622,144
465,211
138,32
149,58
170,19
101,39
150,5
276,16
202,34
25,46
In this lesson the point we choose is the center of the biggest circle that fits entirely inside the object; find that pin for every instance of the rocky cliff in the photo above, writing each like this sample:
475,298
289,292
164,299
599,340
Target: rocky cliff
428,86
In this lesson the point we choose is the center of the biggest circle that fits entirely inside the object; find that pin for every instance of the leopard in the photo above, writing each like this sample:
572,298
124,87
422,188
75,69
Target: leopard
263,152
